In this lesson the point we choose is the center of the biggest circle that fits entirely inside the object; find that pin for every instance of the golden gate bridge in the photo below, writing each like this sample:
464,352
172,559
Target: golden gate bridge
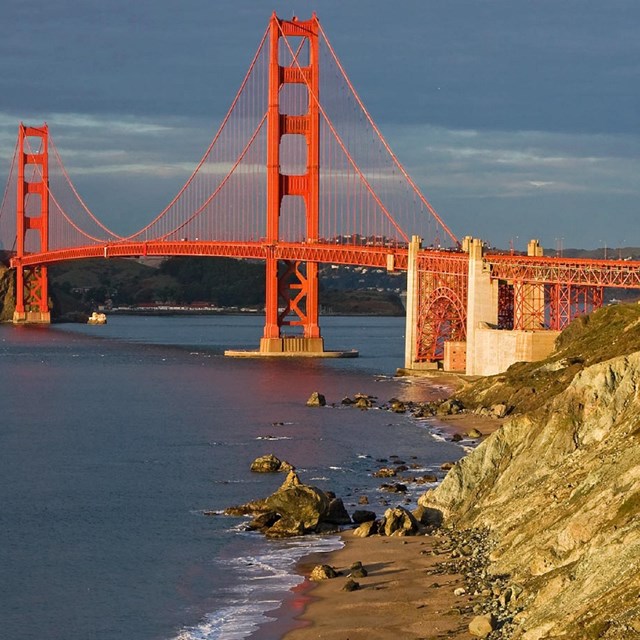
299,174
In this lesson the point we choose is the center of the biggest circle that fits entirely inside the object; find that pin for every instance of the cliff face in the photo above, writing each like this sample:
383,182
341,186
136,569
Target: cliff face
559,489
7,294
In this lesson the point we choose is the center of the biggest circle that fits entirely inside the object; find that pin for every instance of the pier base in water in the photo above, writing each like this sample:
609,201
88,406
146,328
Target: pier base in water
32,317
292,347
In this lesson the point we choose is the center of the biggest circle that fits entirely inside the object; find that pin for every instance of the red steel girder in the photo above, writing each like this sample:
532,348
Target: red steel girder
376,257
505,306
624,274
442,302
566,302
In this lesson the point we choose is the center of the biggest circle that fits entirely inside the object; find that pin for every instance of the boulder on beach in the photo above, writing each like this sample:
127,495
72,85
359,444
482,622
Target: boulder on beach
482,626
351,585
428,516
366,529
323,572
399,522
450,407
357,570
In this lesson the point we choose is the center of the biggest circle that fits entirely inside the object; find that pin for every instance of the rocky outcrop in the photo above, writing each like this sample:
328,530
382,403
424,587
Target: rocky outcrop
294,510
559,490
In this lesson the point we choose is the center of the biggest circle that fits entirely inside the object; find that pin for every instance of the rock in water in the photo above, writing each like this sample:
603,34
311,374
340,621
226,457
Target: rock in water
482,626
385,472
266,464
263,521
299,504
292,480
337,513
295,509
316,400
270,464
363,515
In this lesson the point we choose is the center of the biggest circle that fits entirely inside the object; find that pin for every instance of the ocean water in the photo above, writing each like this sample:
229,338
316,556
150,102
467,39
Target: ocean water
114,441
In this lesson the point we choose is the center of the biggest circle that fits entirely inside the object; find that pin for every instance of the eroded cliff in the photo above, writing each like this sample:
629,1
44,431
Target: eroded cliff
558,486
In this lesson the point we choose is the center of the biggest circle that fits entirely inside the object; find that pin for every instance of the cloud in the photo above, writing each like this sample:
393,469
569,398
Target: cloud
130,167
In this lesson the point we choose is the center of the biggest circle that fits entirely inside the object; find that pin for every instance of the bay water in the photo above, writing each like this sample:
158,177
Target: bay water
115,440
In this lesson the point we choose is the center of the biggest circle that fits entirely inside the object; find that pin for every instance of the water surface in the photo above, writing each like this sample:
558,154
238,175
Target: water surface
115,439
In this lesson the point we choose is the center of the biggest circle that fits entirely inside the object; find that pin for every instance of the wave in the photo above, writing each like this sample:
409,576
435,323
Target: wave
264,579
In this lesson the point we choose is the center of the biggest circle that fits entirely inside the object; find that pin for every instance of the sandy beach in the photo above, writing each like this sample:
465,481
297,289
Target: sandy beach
403,596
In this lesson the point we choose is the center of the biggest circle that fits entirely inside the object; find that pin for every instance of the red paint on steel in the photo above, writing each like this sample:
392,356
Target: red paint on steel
32,221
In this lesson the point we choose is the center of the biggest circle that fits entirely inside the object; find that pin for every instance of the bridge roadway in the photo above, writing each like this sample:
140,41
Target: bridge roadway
511,268
376,257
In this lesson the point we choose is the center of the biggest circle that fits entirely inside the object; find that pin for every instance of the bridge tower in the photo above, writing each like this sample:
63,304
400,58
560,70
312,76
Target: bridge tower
32,212
292,286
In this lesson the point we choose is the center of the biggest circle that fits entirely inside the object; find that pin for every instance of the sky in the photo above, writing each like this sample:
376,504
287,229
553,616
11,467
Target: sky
518,119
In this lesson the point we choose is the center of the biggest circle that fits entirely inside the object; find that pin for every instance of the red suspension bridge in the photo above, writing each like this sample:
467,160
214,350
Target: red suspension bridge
299,174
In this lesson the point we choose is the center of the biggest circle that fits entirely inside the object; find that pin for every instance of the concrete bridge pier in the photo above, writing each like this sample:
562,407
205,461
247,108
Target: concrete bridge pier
491,350
412,305
482,308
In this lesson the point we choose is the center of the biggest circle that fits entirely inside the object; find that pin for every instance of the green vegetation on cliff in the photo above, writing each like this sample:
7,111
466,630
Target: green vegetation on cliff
611,331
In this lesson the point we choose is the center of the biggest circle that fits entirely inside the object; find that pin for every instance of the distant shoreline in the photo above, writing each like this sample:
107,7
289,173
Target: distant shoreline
223,312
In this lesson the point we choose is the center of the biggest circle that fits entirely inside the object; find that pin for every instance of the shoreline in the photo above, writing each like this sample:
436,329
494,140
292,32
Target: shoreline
406,593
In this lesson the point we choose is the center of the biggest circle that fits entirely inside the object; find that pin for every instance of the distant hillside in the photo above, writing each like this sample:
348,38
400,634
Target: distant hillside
86,284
